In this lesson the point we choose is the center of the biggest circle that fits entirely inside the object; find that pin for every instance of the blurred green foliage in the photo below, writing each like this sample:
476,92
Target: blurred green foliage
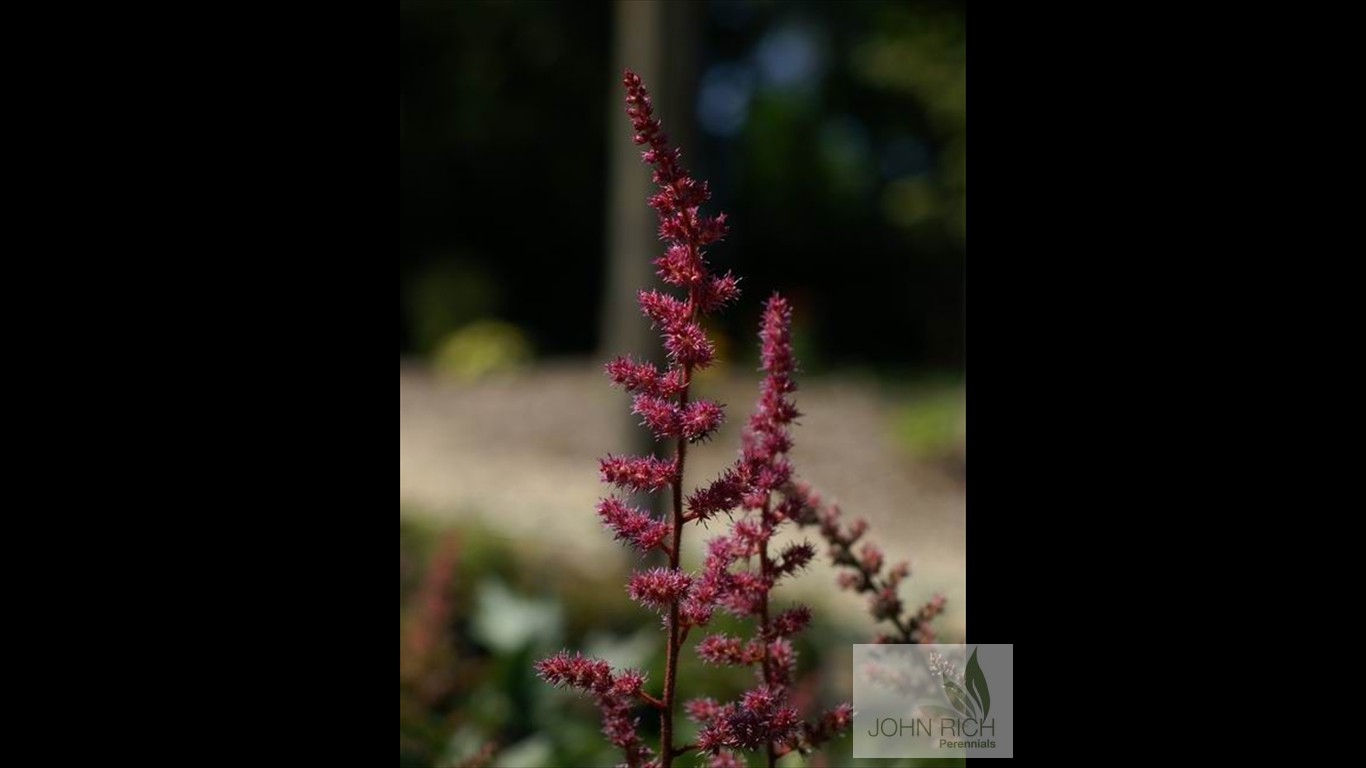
931,422
448,295
495,607
482,348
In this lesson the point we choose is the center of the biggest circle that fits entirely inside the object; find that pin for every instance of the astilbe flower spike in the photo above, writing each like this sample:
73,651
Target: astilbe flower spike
763,718
661,399
759,493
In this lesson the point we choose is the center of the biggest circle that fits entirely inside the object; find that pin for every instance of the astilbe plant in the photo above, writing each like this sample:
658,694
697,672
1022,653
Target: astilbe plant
864,567
758,492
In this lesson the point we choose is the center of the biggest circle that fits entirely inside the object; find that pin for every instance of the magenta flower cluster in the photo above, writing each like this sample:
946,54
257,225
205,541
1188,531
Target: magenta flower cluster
758,493
615,694
864,568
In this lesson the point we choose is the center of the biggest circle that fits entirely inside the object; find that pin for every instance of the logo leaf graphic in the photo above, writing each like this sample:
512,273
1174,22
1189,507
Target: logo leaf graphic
976,682
959,699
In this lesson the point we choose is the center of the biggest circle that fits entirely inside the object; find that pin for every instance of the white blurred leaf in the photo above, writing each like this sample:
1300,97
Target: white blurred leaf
506,622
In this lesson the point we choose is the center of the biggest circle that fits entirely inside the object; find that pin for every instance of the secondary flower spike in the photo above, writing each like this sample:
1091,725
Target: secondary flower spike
758,494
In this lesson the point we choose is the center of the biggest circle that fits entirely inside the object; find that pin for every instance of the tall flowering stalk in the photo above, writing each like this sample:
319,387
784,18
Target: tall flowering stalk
763,718
758,492
662,399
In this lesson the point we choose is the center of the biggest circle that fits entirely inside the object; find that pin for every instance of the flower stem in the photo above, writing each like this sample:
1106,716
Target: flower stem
766,568
666,723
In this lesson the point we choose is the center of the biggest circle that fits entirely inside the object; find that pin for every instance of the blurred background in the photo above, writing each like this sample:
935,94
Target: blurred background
835,137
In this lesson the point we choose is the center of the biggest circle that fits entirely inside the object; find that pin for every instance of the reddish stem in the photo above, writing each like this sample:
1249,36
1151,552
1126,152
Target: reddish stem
666,722
765,567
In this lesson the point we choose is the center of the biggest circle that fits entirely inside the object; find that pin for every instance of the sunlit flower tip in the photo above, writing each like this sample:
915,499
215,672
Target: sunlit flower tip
713,229
664,310
701,419
856,528
665,202
760,699
870,557
720,649
639,473
640,109
933,608
900,571
688,344
631,524
628,683
807,495
659,587
718,292
701,710
786,413
776,385
750,532
782,723
634,376
661,416
754,497
695,613
745,593
774,475
760,718
787,509
849,580
673,228
839,718
715,736
723,550
691,193
885,604
775,336
576,671
678,266
671,383
792,621
781,655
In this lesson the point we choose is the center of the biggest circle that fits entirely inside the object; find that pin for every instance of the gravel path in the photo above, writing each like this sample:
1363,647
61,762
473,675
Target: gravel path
519,453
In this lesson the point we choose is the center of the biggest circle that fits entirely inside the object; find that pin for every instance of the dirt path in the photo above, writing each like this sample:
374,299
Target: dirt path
519,453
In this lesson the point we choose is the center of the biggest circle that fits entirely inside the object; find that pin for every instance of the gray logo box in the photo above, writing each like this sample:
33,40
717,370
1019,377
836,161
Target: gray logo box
934,700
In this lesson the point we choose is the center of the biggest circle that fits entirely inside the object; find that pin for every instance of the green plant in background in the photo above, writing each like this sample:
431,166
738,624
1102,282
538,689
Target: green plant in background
446,295
475,610
482,348
931,424
501,608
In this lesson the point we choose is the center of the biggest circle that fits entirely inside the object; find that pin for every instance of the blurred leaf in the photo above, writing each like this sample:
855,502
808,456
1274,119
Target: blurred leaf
507,622
534,752
932,424
632,651
481,348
